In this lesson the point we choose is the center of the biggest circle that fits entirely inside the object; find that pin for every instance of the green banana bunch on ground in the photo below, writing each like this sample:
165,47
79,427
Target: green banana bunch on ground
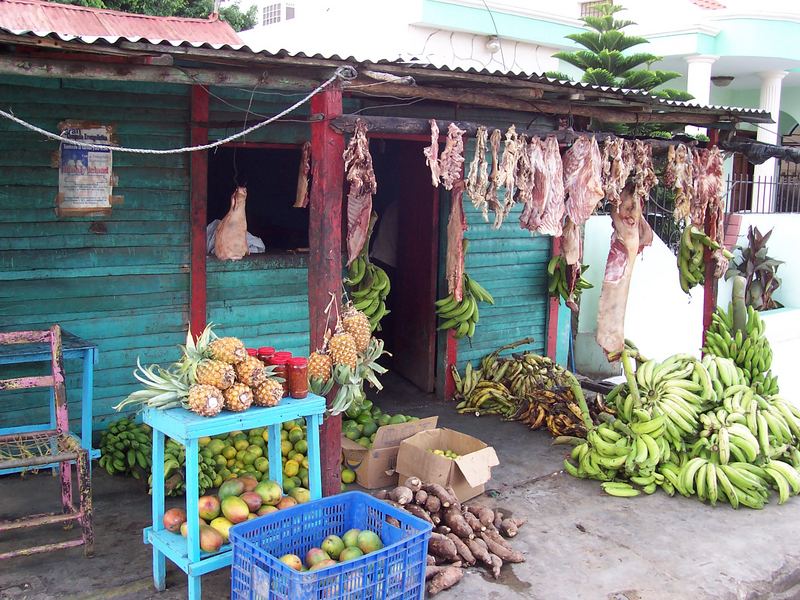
368,286
696,428
558,283
747,346
463,316
126,448
691,267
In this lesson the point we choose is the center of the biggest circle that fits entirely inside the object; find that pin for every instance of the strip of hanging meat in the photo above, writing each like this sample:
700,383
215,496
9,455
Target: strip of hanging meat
617,165
583,179
533,206
492,199
679,175
451,162
644,177
571,250
432,153
361,178
523,176
478,178
631,234
552,216
456,226
708,199
304,178
504,177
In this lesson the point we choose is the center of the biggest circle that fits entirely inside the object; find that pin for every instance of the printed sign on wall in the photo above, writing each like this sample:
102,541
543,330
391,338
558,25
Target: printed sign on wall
85,179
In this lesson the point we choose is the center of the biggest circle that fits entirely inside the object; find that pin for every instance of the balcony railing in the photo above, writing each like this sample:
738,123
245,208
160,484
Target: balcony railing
763,194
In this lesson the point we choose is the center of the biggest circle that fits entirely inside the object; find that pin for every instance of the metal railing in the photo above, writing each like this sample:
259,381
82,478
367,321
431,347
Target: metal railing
762,194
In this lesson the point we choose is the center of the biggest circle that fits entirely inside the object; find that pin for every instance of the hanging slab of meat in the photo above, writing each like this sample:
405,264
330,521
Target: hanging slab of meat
679,175
492,197
304,178
552,216
478,178
644,176
572,252
708,199
451,163
504,176
361,177
583,183
617,165
533,206
432,154
523,176
456,226
631,234
230,242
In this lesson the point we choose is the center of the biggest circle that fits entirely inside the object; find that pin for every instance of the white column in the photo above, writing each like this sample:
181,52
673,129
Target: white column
768,133
698,82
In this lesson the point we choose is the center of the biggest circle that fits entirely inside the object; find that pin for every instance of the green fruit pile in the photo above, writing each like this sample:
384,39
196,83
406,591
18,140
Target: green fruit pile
445,453
696,428
462,316
126,448
368,286
333,550
362,423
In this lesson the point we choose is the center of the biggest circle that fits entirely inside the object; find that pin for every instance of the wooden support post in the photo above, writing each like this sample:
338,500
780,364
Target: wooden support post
198,210
325,258
553,306
710,284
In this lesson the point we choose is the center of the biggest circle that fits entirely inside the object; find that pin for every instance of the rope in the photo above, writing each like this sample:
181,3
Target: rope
345,73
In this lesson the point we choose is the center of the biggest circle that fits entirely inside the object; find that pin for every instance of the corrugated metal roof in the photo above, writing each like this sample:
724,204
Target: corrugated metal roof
410,63
43,18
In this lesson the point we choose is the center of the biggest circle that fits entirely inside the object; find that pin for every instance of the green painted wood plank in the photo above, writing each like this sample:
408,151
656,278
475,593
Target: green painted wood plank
70,287
24,275
90,257
98,303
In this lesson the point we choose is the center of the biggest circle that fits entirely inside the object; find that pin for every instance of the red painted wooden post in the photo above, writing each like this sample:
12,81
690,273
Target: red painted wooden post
451,359
553,306
325,258
198,210
710,285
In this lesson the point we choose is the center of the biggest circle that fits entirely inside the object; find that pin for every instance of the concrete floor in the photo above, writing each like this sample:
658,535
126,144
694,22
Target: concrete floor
580,543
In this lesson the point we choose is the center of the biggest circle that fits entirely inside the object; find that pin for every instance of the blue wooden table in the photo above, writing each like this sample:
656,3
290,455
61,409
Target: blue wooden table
187,427
73,347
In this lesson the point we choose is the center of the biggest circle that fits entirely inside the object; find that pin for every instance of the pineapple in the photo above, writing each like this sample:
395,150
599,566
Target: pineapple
357,324
262,374
238,397
342,348
245,370
228,349
199,366
319,366
268,393
214,372
205,400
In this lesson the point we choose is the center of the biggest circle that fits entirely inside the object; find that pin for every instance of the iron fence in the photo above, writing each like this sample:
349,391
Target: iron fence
762,194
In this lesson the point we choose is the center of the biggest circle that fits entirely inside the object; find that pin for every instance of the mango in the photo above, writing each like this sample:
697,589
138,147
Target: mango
348,476
232,487
350,554
301,494
252,516
185,527
266,509
253,500
292,561
173,518
368,541
322,564
210,539
287,502
208,507
222,525
291,468
270,492
249,481
261,464
235,509
350,538
315,555
333,546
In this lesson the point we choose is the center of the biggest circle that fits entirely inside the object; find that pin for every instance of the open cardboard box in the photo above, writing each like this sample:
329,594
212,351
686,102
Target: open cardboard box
466,474
375,466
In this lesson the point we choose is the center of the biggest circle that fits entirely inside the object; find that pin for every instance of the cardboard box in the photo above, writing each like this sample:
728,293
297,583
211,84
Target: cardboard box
466,474
375,467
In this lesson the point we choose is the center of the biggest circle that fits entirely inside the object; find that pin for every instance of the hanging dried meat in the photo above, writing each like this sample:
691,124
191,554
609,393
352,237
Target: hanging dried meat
550,220
708,199
361,178
492,197
523,175
504,176
456,226
432,153
631,234
679,175
617,165
572,251
583,179
478,178
304,178
644,176
451,162
533,206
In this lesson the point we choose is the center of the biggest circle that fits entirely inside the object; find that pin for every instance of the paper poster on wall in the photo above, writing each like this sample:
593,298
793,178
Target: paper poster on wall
85,176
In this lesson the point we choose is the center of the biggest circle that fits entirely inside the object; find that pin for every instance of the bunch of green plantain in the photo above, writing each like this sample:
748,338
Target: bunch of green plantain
463,316
368,286
558,279
691,266
126,448
175,470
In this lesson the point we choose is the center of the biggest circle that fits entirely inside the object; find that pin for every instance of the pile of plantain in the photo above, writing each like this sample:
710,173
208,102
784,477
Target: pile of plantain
524,387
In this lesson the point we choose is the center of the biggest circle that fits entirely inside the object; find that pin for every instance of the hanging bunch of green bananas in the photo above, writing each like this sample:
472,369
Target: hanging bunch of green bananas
748,347
691,267
558,273
126,448
368,286
463,316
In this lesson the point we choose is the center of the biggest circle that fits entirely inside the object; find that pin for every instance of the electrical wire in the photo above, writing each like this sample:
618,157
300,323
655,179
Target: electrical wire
496,31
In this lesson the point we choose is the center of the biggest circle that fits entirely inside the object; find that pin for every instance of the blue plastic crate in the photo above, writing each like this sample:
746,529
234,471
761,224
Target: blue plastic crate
397,571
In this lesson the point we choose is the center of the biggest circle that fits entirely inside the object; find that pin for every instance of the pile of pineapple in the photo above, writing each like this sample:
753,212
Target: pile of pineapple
348,358
215,373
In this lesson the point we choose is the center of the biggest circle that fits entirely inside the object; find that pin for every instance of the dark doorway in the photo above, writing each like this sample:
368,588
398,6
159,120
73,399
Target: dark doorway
741,181
405,243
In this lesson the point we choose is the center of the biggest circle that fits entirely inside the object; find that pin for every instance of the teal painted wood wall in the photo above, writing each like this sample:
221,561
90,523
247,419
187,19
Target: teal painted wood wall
126,288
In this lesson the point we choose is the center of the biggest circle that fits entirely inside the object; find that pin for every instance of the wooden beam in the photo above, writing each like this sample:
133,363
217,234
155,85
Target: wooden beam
85,68
325,260
198,210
